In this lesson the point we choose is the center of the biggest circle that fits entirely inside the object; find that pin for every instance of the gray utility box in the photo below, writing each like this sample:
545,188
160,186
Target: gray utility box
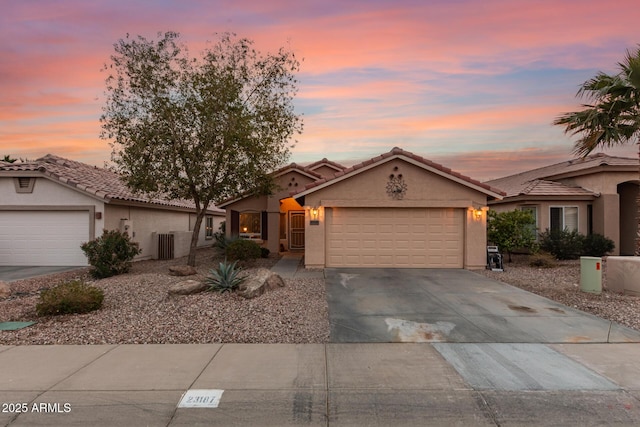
591,274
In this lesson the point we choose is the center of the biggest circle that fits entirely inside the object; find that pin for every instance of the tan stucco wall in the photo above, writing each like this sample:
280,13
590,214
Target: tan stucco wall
601,182
144,222
325,171
291,181
424,189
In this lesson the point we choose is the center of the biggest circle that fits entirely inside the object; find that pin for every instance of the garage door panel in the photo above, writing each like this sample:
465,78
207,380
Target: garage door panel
405,238
46,238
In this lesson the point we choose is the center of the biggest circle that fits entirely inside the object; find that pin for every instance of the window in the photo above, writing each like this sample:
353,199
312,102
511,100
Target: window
563,217
533,210
208,227
250,225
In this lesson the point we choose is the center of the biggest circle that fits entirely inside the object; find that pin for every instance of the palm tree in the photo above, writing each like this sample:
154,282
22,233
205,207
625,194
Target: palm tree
7,158
611,116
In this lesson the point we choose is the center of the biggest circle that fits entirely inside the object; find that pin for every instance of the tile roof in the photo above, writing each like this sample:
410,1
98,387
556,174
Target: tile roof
324,161
517,184
400,152
98,182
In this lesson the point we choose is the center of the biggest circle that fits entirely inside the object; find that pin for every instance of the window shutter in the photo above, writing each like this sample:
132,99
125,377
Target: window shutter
265,226
235,223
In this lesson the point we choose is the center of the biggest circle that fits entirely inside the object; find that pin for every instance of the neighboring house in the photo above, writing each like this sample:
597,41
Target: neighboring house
596,194
395,210
50,206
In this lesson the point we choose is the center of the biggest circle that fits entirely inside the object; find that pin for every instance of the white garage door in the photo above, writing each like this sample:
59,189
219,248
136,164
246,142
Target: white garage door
395,237
43,238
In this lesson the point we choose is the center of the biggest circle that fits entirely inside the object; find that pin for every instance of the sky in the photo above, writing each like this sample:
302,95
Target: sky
472,84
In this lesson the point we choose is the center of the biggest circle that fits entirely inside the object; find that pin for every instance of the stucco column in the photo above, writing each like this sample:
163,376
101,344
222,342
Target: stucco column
475,244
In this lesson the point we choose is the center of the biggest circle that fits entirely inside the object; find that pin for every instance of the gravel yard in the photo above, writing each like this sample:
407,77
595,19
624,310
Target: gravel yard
137,309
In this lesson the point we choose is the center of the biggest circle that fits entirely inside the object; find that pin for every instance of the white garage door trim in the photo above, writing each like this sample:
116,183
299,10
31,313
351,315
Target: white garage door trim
42,237
395,237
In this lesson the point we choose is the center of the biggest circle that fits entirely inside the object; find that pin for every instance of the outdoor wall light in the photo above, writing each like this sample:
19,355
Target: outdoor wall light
314,214
477,214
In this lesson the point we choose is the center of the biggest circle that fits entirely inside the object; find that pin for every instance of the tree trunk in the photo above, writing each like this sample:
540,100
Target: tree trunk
191,260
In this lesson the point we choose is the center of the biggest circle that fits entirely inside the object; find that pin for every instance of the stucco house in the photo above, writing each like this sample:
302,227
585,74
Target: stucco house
394,210
596,194
50,206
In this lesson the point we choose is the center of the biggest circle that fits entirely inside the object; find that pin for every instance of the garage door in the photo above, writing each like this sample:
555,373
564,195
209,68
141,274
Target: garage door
43,237
395,237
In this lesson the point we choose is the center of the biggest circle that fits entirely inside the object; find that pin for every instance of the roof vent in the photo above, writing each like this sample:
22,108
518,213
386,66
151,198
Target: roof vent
24,184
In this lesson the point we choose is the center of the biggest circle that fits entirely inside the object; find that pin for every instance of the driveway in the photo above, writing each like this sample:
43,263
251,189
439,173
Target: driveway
454,306
10,274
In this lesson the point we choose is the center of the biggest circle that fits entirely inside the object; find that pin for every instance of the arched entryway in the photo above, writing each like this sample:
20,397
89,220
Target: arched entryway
628,192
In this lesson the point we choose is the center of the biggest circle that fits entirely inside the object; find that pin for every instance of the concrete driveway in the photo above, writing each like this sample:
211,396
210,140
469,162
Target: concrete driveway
454,306
10,274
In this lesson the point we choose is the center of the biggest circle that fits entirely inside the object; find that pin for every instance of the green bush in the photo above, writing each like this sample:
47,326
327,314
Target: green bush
225,278
110,254
563,244
542,259
243,250
264,252
597,245
69,297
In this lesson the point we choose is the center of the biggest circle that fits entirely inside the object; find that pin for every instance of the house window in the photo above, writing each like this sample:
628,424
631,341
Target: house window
563,217
250,225
533,210
208,227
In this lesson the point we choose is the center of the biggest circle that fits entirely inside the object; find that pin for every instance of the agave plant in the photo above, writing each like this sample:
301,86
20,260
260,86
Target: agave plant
225,278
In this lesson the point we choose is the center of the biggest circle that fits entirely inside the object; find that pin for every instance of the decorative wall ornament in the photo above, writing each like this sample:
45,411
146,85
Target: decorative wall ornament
396,187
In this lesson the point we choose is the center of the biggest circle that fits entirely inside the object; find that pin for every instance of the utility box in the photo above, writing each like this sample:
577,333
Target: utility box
591,274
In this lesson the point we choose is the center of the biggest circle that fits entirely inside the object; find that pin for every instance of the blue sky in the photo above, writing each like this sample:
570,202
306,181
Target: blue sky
473,85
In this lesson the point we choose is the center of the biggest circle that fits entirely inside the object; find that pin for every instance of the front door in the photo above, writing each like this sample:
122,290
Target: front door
296,230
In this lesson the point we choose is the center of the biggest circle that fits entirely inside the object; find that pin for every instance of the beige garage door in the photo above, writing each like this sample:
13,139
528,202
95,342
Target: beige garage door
395,237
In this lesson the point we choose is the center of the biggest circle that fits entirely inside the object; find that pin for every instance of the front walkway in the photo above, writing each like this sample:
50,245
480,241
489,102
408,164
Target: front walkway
291,266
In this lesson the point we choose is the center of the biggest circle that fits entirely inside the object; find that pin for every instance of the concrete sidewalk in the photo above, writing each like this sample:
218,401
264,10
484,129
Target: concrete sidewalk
318,384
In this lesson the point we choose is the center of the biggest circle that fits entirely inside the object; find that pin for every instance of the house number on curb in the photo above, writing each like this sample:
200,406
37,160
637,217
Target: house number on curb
200,399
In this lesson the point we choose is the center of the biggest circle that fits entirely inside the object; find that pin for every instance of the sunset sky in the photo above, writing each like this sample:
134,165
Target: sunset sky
472,84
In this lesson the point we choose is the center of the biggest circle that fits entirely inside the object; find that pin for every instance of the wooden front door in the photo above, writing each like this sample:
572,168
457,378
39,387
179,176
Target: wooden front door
296,230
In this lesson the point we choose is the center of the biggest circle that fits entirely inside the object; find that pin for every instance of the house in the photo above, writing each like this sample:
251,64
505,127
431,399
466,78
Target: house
395,210
595,194
50,206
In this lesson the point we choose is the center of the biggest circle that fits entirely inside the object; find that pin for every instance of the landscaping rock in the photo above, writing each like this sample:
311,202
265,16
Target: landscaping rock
5,290
187,287
182,270
256,284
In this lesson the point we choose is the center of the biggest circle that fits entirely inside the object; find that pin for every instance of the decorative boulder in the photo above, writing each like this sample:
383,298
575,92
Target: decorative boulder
5,290
182,270
258,282
187,287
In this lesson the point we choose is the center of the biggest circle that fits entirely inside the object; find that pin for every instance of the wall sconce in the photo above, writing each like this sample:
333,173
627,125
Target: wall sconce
477,214
315,216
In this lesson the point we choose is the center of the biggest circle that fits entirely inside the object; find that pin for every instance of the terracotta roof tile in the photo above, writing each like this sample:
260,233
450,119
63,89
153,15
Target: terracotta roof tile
396,152
100,182
322,162
515,184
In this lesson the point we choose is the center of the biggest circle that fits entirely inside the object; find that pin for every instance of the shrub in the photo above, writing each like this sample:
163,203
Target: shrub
563,244
243,250
264,252
219,237
225,278
69,297
597,245
511,230
110,254
542,259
